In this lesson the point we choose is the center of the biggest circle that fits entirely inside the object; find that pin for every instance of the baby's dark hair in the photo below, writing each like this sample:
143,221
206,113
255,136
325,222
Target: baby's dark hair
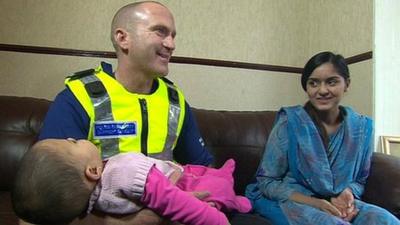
49,187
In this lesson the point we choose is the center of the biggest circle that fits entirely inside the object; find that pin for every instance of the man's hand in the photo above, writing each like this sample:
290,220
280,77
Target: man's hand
144,216
345,203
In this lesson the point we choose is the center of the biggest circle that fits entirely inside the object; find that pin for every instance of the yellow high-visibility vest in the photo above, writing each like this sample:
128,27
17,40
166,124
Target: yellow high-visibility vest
121,121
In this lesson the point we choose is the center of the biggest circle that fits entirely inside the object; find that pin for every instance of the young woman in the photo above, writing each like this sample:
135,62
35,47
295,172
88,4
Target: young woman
317,157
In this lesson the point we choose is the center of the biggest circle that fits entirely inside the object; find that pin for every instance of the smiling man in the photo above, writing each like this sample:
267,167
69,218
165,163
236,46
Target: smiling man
133,108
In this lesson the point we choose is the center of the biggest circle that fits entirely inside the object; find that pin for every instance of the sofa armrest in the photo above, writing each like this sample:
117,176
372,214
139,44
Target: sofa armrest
20,121
383,184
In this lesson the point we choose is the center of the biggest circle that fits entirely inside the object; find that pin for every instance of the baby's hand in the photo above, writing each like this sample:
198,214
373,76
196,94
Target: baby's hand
200,194
175,176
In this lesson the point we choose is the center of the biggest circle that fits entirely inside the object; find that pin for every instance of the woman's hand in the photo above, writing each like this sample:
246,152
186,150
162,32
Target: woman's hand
345,203
320,204
326,206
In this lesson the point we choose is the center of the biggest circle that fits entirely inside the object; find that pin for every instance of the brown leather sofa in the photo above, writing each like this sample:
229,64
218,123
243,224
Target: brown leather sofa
238,135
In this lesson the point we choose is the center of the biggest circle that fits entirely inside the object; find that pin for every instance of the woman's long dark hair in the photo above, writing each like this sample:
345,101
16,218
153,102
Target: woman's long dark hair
324,57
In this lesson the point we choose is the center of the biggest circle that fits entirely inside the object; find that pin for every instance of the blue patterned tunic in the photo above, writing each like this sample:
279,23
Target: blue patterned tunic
296,160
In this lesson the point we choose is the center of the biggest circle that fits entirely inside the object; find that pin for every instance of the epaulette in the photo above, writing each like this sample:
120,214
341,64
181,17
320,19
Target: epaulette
80,74
173,95
167,81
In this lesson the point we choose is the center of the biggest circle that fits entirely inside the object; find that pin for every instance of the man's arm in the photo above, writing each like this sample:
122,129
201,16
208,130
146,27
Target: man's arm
190,148
144,216
67,118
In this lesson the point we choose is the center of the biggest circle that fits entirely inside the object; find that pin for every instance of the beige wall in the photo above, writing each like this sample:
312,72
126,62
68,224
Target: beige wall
345,27
386,69
285,32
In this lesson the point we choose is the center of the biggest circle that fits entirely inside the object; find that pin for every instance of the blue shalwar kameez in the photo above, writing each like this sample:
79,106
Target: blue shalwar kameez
296,160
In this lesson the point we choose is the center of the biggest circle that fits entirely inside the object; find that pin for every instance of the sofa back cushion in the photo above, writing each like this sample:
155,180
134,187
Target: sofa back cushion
227,134
236,134
383,185
20,121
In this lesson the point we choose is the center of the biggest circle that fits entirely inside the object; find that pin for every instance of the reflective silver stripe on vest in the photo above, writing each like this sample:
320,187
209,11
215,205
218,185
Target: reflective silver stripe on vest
174,112
102,112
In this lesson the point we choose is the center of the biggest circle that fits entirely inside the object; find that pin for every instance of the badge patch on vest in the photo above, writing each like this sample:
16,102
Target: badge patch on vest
112,129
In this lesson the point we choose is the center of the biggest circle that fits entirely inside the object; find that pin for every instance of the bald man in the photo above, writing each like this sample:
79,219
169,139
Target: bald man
134,108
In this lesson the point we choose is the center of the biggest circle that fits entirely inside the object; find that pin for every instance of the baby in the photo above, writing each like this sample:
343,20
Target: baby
59,180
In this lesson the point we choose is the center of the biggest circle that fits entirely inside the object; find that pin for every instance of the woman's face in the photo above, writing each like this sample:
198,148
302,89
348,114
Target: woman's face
325,88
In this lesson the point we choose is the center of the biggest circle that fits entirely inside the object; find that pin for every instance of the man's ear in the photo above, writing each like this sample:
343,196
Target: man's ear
121,38
93,173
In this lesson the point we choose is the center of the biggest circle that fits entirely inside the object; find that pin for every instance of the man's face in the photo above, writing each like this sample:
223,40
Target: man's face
152,40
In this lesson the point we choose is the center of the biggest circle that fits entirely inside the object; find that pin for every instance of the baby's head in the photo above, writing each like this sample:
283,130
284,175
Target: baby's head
55,179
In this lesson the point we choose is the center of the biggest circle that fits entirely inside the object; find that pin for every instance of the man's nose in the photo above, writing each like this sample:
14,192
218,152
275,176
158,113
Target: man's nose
169,42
